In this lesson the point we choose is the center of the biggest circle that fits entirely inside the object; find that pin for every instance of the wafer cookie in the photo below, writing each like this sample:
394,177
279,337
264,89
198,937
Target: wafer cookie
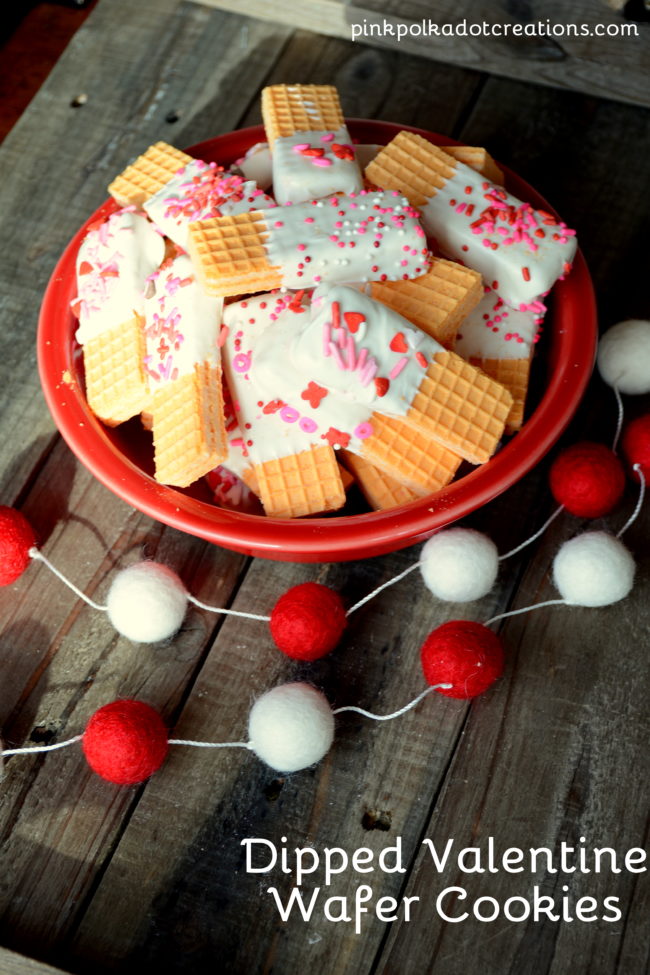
479,159
301,484
437,301
360,237
114,261
520,251
188,433
183,364
514,374
408,456
312,153
287,109
500,341
116,381
368,355
147,174
380,490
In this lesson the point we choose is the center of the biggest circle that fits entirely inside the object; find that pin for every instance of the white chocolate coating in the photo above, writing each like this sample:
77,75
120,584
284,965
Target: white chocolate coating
371,235
257,165
520,251
494,330
198,191
113,264
311,165
181,323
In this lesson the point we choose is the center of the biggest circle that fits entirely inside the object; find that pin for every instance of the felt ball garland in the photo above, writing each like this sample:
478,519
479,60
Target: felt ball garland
291,727
125,742
308,621
588,479
16,540
636,445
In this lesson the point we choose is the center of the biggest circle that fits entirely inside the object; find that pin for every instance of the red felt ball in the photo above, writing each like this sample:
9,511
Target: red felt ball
464,654
125,742
636,445
16,539
308,621
588,479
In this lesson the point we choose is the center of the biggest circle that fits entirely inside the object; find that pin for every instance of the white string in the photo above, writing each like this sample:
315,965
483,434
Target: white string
36,554
639,504
210,744
395,714
619,422
534,537
526,609
375,592
227,612
41,748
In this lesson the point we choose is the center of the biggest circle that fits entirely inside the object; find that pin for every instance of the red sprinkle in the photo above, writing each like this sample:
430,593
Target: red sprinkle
526,273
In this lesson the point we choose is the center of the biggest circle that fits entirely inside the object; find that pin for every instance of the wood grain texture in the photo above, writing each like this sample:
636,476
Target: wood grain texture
98,879
578,59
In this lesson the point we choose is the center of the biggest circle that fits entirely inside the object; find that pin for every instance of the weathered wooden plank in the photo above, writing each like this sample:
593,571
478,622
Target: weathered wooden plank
557,751
62,660
577,59
171,71
14,964
376,84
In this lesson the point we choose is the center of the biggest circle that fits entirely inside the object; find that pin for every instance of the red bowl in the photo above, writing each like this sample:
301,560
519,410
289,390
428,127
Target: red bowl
121,458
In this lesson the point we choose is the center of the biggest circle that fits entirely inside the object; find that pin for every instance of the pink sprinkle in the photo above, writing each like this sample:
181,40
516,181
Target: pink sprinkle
350,353
363,430
397,368
361,361
337,356
369,373
403,263
328,137
278,223
300,147
309,219
302,247
342,338
321,161
327,338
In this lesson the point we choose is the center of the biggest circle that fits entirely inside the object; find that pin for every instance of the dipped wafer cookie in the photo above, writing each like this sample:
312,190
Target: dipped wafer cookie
114,261
437,301
147,174
198,191
500,340
182,359
369,356
479,159
295,473
380,490
361,237
520,251
312,153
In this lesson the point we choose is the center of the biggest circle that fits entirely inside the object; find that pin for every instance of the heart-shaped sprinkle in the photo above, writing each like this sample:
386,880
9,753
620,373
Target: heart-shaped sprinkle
84,268
398,343
313,151
353,319
382,386
343,151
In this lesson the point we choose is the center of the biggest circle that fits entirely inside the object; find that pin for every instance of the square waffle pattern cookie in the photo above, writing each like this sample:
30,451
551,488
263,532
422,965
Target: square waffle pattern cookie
301,484
189,434
287,109
229,255
380,490
148,174
437,301
116,382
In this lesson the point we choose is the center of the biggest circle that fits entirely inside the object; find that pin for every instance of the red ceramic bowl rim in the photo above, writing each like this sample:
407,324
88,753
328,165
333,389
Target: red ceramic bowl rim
571,357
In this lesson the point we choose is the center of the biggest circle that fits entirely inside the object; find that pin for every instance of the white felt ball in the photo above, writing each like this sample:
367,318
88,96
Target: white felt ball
624,356
147,602
593,569
459,564
291,727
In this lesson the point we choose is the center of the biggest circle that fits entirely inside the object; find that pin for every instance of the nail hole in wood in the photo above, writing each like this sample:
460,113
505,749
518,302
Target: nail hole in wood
273,789
78,101
172,117
377,819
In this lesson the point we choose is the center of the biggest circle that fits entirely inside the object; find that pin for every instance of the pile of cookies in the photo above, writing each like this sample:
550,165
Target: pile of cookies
269,336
